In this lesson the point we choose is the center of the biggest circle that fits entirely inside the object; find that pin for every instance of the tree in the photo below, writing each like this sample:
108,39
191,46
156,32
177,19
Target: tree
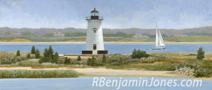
18,53
45,54
50,56
200,53
33,51
134,52
47,57
55,58
37,54
78,58
50,51
139,54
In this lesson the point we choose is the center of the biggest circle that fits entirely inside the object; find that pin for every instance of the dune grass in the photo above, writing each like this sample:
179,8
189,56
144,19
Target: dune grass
189,38
38,73
15,40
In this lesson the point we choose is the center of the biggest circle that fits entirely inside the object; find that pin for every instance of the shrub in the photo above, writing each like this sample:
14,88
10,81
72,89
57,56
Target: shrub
67,61
139,54
30,62
203,72
201,68
91,61
104,59
45,59
117,59
78,58
28,55
11,60
149,60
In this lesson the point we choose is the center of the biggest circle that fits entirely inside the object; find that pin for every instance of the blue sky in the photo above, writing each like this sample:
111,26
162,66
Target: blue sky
116,13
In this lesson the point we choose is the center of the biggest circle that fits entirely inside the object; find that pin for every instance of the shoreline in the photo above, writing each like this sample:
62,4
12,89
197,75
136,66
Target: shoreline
92,72
56,43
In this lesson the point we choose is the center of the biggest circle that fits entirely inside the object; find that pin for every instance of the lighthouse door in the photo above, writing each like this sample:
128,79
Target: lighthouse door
94,46
94,30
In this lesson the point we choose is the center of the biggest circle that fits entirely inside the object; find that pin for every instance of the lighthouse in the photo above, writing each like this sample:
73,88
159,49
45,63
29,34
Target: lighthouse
94,34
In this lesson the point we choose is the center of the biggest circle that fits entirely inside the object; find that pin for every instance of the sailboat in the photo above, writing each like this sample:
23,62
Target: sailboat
159,42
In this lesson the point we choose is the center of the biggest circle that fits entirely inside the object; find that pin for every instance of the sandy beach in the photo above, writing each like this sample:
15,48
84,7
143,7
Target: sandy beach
115,72
109,72
103,71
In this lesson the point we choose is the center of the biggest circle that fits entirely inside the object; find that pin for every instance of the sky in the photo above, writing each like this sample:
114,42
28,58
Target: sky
116,13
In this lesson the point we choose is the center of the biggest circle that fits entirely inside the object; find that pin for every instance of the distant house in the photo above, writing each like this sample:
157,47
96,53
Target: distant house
59,34
139,36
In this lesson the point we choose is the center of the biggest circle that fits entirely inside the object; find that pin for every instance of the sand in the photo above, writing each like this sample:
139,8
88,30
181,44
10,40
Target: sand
109,72
103,71
115,72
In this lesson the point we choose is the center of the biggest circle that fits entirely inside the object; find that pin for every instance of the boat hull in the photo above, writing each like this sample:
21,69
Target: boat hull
159,48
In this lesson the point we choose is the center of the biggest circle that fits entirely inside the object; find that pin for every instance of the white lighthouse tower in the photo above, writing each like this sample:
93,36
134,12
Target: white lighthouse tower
94,39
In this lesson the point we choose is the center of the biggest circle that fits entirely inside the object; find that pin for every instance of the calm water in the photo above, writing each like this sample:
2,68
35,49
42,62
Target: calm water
73,48
82,83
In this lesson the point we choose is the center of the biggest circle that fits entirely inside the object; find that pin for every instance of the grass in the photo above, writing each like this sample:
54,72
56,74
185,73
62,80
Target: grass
38,73
189,38
15,40
152,67
29,62
34,63
156,62
170,62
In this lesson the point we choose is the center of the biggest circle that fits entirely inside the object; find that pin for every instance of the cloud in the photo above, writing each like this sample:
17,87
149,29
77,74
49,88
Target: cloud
7,5
116,13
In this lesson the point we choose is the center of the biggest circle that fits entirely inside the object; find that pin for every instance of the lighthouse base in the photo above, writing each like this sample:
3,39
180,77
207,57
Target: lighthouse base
98,52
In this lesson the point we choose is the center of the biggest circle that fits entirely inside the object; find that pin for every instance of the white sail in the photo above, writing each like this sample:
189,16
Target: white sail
161,39
159,42
156,38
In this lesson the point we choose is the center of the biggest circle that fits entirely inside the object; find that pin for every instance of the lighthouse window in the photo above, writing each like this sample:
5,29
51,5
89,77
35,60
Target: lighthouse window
94,46
94,30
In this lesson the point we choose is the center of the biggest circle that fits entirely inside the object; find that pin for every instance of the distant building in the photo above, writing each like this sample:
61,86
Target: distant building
94,39
59,34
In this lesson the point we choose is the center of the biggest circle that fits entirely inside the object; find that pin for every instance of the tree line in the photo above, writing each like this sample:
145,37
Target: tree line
49,55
